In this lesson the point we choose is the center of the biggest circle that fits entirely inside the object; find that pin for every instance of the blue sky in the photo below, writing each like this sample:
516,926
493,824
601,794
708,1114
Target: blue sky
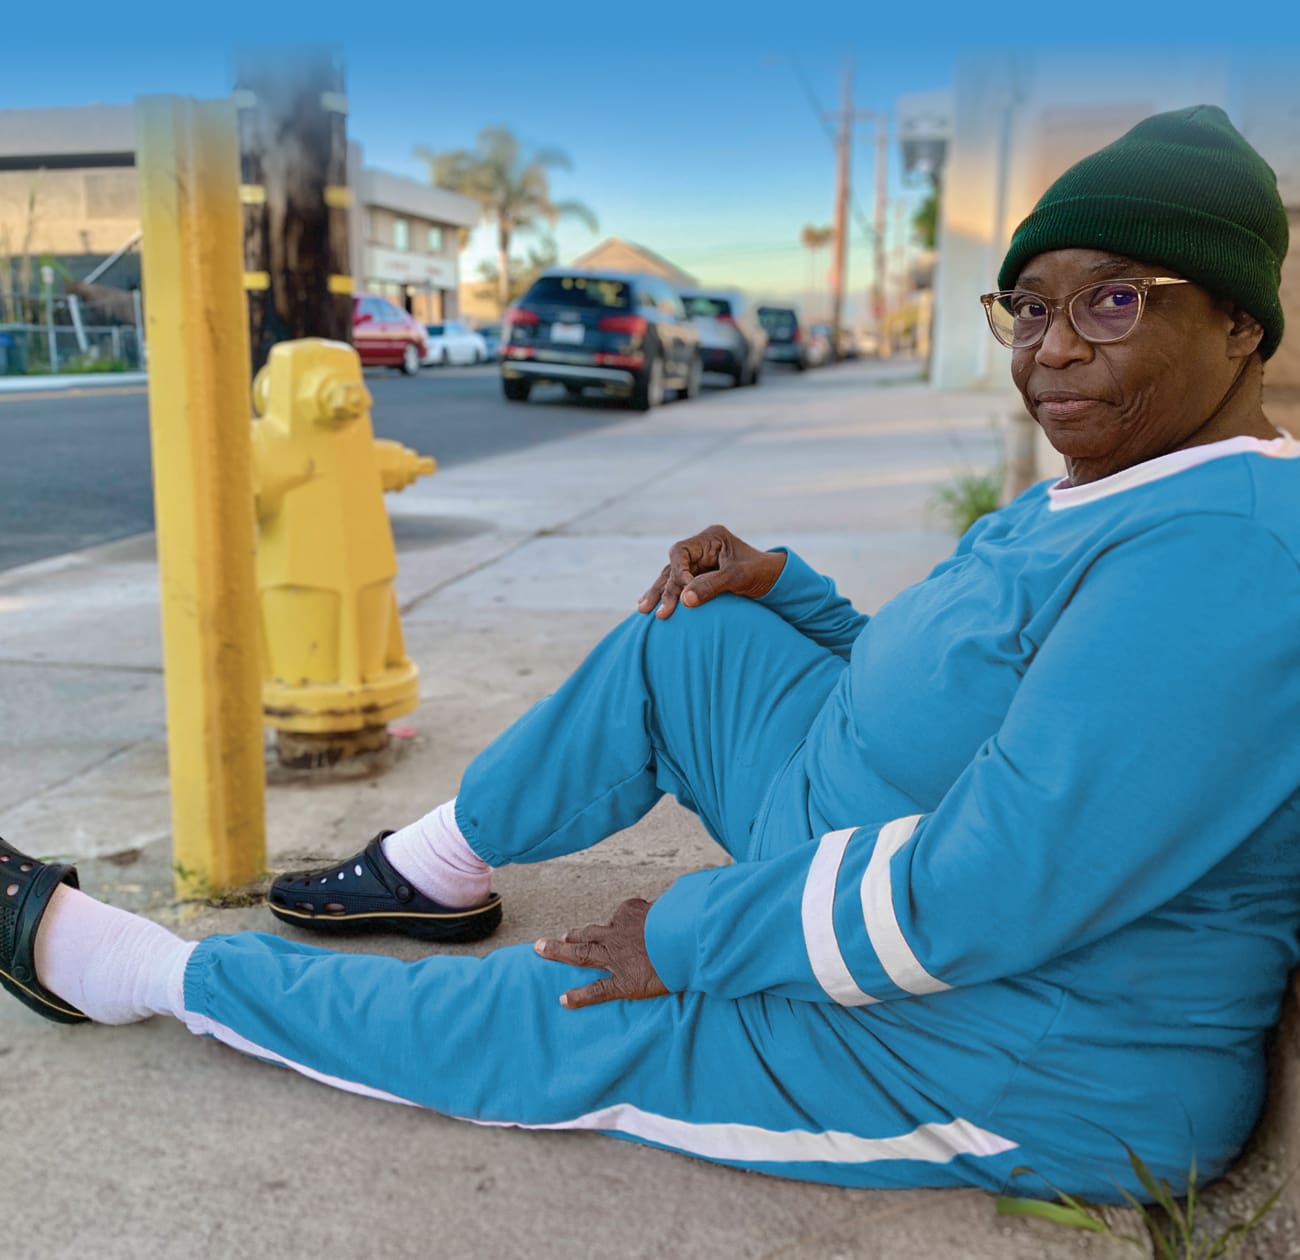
691,128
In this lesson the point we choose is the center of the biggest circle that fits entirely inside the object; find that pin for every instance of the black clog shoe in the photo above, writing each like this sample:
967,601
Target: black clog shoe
366,893
26,887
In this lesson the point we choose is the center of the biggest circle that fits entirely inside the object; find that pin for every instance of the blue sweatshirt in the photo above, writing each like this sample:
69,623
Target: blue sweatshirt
1065,762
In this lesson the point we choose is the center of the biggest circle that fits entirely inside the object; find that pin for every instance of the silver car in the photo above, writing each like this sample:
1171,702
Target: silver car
732,341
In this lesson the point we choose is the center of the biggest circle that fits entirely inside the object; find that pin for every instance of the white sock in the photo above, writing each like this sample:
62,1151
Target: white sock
112,965
438,861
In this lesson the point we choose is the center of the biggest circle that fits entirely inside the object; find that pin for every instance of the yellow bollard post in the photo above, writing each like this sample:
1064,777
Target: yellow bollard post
188,161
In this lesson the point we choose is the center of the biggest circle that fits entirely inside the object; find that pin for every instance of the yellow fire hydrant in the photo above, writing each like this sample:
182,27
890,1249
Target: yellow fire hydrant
334,666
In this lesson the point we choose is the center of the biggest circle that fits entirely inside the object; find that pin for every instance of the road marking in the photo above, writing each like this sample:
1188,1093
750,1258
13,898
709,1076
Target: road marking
74,392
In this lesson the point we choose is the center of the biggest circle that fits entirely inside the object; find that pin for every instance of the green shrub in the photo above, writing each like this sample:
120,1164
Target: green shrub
968,497
88,363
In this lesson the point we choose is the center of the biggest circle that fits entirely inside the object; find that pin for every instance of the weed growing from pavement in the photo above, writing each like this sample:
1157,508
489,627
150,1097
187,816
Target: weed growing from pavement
1173,1226
967,497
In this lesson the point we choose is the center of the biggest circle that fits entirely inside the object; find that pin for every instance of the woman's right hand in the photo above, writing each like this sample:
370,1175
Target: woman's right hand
707,564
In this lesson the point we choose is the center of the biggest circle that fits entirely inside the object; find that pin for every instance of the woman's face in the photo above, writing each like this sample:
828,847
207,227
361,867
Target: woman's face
1107,407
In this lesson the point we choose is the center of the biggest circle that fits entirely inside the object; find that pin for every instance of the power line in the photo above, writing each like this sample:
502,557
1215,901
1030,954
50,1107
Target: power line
864,224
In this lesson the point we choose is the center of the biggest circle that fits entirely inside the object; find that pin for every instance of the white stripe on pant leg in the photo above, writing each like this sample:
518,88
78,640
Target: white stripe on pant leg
887,939
202,1026
745,1143
818,911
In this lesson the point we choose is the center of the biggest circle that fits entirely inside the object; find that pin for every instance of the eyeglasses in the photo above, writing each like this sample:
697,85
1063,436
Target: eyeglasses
1100,313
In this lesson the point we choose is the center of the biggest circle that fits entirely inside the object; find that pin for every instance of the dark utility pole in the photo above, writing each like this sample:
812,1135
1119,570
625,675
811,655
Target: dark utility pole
293,151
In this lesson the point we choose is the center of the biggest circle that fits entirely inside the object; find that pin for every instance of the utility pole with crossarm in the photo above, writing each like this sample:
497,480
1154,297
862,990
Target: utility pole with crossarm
845,118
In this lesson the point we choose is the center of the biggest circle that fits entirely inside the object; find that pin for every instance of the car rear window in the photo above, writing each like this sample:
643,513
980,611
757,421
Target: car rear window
707,307
579,291
434,330
778,321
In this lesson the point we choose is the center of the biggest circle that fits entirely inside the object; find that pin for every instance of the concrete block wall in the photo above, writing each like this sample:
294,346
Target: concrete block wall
1280,1133
1282,374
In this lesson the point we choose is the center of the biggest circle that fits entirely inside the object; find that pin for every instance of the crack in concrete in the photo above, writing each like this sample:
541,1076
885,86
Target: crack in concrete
77,774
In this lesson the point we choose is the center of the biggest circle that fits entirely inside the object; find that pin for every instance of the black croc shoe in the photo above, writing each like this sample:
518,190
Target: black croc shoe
366,893
26,886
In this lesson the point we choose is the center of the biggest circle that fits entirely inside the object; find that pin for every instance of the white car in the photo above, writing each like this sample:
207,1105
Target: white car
732,340
453,343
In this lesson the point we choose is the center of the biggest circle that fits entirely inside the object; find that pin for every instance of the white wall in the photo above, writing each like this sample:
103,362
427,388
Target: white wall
1054,106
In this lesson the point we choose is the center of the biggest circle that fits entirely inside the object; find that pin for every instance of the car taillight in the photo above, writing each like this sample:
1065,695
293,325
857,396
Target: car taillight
633,325
725,319
798,337
520,315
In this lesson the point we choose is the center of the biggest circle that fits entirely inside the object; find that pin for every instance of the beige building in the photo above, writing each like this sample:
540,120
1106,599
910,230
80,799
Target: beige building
613,254
479,303
68,189
406,240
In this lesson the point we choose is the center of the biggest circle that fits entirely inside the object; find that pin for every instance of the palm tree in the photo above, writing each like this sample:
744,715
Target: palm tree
523,271
512,187
812,239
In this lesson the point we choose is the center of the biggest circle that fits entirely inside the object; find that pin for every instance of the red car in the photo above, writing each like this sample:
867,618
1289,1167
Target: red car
385,335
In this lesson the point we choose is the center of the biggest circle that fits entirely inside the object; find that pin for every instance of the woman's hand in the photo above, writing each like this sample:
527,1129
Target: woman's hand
617,947
711,562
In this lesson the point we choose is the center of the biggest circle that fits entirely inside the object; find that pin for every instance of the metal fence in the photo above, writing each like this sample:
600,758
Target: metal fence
36,348
70,333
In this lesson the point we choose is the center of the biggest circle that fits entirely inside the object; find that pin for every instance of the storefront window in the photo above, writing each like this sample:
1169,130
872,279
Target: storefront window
395,293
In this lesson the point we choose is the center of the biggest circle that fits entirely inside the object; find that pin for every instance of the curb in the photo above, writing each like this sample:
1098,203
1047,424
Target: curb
40,384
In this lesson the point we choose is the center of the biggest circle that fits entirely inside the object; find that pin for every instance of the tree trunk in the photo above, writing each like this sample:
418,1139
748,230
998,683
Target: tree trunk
503,263
293,168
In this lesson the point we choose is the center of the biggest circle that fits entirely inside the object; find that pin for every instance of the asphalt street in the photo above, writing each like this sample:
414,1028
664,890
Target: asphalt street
75,468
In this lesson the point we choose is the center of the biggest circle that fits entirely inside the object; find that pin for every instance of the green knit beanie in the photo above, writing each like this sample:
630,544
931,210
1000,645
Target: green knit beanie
1181,190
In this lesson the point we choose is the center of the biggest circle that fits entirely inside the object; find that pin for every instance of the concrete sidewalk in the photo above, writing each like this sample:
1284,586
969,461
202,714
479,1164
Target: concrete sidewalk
143,1141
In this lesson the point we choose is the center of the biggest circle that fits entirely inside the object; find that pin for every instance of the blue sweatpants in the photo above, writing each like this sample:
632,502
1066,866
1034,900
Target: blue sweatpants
711,706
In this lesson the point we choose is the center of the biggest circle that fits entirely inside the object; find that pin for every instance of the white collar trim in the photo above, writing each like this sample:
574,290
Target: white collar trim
1063,495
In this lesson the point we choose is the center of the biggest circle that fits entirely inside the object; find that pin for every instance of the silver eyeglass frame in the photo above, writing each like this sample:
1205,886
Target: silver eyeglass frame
1066,304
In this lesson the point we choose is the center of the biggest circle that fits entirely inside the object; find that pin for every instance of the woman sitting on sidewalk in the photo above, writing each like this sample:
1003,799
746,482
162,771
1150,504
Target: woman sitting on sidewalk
1016,870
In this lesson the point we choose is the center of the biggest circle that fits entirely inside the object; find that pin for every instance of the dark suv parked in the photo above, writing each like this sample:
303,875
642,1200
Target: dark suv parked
785,339
621,332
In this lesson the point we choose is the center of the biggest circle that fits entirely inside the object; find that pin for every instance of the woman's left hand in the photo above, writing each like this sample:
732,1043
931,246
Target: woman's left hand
617,947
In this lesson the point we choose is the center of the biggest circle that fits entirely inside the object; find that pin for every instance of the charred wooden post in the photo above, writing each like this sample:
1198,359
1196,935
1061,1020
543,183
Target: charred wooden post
293,184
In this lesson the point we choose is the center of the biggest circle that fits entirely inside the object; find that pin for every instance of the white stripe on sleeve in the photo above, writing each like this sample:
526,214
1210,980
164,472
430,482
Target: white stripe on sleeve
887,939
824,955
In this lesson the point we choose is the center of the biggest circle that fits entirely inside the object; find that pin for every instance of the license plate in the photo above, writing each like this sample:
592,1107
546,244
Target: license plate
567,334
